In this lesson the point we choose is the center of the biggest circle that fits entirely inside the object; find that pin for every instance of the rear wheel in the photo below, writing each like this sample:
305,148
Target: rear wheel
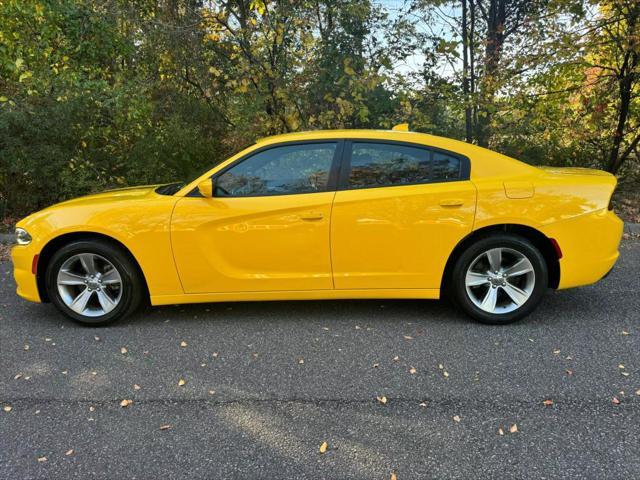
499,279
93,282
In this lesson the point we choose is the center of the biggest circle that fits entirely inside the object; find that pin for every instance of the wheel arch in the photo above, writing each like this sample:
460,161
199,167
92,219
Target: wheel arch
58,242
536,237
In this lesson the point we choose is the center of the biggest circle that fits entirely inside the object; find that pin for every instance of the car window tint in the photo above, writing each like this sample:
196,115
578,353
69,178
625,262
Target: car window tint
279,171
445,167
378,164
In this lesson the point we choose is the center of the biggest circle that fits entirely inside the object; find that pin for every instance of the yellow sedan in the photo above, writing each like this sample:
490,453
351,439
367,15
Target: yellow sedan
328,215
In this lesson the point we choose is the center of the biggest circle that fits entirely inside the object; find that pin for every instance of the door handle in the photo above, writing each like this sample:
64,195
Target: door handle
311,216
451,202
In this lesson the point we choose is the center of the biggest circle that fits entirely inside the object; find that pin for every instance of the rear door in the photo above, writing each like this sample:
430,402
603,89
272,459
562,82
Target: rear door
399,211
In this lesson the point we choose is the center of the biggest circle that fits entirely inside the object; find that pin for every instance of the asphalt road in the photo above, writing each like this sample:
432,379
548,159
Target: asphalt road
251,409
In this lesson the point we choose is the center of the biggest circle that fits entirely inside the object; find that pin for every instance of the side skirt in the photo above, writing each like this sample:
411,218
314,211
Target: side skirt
407,293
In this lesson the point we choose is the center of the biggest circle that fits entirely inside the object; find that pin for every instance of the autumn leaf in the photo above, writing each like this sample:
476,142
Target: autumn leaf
394,476
183,344
412,370
513,428
181,382
323,447
125,403
382,399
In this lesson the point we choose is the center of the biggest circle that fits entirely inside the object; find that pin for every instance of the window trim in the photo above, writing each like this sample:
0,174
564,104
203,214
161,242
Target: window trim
332,180
345,167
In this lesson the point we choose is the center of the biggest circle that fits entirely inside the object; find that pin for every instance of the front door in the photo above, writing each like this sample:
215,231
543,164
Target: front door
399,212
265,229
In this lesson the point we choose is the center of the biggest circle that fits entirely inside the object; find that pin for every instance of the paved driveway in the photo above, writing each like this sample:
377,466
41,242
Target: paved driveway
267,383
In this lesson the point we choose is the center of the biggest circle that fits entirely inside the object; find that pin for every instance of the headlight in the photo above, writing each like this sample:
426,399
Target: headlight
22,237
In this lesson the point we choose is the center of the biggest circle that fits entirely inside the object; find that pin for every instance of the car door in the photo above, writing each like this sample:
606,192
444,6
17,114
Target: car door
266,228
399,211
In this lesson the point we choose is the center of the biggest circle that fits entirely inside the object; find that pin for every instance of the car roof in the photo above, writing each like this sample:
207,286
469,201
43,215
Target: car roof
485,162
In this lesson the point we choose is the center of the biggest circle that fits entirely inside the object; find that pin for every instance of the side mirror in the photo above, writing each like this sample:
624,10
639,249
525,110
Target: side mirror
206,188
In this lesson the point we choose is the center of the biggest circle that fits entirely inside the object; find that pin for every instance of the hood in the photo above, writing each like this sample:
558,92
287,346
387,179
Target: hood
129,193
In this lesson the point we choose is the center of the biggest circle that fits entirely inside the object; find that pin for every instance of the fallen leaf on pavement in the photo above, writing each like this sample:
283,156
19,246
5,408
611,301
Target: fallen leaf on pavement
7,408
624,332
548,403
396,358
123,350
382,399
125,403
394,476
615,401
183,344
323,447
621,366
18,376
136,386
500,431
412,370
513,428
212,392
456,418
69,452
446,374
181,382
214,354
301,361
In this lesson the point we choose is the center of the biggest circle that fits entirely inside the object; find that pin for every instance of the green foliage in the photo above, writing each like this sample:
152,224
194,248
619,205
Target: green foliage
108,93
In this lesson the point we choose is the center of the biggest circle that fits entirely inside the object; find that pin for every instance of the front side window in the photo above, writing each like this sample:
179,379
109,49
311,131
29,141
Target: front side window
381,165
284,170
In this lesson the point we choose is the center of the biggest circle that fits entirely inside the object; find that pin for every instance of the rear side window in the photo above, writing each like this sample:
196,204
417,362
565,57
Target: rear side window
382,164
284,170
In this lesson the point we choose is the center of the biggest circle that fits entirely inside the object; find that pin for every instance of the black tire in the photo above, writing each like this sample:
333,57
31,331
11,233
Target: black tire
132,285
457,286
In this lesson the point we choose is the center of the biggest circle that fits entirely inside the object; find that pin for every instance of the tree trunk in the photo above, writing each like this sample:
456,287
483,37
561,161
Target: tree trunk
496,17
465,73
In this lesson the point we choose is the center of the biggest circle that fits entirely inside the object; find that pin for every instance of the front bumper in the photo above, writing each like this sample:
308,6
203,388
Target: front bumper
22,257
589,245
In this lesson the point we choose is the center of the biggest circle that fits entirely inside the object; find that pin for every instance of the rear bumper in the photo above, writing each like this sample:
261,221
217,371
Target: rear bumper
589,245
22,257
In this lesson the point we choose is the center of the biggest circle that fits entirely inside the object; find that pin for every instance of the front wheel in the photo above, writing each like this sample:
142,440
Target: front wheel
93,282
499,279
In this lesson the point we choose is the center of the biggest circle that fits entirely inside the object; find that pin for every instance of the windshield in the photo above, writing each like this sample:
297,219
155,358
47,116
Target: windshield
170,188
